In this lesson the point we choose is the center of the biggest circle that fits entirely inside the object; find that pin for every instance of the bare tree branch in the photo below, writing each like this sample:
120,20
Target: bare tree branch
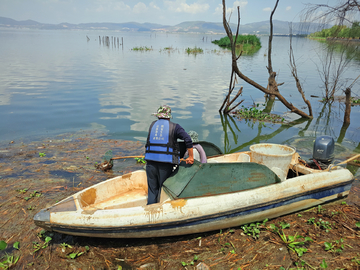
269,67
231,88
227,27
237,95
235,69
334,64
295,75
325,14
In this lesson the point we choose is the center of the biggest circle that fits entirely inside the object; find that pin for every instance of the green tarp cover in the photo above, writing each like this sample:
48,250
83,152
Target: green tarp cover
217,178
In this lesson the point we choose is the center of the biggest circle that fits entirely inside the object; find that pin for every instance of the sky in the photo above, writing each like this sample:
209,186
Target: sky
166,12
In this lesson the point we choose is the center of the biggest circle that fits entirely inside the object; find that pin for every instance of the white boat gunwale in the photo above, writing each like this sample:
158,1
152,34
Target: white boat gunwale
313,196
336,189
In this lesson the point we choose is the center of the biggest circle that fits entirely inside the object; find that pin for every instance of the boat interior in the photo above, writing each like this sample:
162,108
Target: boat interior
130,190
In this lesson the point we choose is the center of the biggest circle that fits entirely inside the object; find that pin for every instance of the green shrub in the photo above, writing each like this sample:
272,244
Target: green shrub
241,40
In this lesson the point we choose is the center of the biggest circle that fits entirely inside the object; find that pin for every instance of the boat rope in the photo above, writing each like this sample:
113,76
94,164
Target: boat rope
295,169
317,164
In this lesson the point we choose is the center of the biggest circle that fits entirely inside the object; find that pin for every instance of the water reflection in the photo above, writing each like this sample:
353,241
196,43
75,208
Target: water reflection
351,49
61,81
307,130
230,126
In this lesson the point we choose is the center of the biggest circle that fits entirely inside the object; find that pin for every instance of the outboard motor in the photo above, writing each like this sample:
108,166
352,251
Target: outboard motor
323,153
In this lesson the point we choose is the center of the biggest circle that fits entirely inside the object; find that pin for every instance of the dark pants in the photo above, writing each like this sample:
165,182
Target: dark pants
157,173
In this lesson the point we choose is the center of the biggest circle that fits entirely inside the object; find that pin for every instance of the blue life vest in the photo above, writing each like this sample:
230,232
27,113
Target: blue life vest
161,146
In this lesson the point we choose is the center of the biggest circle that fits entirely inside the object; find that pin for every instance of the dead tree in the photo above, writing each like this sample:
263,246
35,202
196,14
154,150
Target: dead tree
225,107
334,64
227,100
347,106
339,14
295,75
348,102
272,84
236,72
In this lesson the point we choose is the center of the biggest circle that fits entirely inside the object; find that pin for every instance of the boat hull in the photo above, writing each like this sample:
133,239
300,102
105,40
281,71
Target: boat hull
198,214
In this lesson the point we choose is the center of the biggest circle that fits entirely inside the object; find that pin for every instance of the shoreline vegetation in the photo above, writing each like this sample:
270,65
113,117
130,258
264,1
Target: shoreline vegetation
338,32
248,44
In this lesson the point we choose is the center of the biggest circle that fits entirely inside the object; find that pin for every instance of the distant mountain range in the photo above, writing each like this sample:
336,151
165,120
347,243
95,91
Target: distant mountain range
259,28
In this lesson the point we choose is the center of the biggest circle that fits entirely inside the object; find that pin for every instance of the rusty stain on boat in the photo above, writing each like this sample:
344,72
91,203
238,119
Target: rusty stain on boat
178,204
153,211
126,176
88,197
89,212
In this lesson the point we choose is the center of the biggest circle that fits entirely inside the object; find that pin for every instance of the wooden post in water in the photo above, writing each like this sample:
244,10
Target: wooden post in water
347,106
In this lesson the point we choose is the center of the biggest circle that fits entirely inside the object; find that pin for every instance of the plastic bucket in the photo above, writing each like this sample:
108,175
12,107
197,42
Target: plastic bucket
276,157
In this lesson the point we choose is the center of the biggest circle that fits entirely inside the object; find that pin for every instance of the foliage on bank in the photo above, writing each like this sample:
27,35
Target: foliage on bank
338,31
247,43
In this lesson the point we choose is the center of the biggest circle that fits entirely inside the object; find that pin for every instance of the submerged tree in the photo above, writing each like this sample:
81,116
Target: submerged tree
342,14
334,63
272,87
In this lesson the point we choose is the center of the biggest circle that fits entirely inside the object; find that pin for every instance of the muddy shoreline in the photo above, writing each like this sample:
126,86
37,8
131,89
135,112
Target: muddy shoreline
37,174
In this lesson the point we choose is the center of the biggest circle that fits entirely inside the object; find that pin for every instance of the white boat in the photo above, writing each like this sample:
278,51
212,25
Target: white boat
227,191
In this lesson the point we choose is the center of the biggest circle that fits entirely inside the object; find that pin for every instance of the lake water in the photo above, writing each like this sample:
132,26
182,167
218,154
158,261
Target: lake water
54,82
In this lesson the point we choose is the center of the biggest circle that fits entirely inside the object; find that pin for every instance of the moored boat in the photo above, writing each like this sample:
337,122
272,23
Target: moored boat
229,190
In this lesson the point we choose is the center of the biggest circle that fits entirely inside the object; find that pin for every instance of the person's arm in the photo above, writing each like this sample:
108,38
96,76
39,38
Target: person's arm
181,134
190,159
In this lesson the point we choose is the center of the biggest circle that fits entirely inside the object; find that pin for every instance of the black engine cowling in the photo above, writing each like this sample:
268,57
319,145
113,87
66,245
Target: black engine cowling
324,149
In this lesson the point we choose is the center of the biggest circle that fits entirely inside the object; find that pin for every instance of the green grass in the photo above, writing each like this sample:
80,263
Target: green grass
167,49
142,48
194,50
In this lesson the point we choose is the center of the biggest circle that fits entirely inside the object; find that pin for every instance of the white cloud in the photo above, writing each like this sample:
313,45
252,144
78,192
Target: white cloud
152,5
111,6
120,6
229,10
218,9
288,8
240,4
267,9
140,8
182,6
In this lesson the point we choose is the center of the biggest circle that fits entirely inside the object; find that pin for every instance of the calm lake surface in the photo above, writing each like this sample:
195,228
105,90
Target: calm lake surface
54,82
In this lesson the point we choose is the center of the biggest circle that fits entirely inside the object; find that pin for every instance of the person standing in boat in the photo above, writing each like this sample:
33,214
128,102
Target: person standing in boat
162,151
